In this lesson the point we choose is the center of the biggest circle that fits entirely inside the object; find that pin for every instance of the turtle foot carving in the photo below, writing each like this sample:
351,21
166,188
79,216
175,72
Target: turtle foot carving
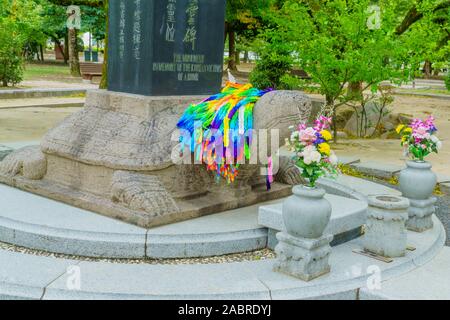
142,192
29,162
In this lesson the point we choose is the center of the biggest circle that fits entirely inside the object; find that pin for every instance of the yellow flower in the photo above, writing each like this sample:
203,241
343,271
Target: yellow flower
325,148
326,135
400,128
408,130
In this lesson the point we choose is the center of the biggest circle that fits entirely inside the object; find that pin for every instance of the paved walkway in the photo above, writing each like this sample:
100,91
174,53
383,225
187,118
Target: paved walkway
42,102
46,84
430,282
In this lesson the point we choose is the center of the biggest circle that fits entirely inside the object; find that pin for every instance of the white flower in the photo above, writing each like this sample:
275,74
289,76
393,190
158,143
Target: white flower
333,159
439,145
310,155
316,156
434,139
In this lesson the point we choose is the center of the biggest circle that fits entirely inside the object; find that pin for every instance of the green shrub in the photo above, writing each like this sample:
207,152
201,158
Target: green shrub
290,82
11,63
270,70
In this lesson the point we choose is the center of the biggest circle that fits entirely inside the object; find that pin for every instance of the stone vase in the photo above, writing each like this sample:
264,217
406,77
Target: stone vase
417,183
385,233
306,213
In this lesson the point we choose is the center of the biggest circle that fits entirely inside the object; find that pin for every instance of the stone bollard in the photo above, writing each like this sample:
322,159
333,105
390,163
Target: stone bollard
386,226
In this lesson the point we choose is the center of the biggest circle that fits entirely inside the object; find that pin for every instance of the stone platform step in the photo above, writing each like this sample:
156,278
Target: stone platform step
31,221
35,222
347,218
37,277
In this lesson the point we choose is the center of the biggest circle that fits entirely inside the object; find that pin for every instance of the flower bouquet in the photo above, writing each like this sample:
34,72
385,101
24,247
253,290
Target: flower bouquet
313,153
419,139
417,181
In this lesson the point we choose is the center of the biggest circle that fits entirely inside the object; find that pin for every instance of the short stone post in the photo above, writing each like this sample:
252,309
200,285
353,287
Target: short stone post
386,233
421,214
303,258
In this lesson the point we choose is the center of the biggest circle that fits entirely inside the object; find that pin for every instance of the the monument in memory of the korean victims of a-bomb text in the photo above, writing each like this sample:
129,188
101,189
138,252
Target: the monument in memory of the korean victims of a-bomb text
118,156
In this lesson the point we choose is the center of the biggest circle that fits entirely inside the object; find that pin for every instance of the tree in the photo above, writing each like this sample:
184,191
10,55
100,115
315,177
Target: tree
337,44
54,26
243,20
427,24
73,55
19,20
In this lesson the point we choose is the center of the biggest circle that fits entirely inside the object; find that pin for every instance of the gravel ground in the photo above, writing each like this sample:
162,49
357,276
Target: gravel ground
248,256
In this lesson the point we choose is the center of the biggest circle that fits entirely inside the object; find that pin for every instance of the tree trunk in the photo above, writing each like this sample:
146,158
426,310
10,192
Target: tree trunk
427,69
66,48
232,50
330,105
42,52
104,81
354,91
73,54
238,57
246,56
227,26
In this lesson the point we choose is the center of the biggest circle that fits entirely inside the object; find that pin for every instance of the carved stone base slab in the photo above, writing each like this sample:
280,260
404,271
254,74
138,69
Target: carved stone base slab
420,214
303,258
178,210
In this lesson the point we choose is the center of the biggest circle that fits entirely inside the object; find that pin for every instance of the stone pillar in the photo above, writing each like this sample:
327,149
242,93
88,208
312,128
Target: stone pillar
420,214
303,258
386,226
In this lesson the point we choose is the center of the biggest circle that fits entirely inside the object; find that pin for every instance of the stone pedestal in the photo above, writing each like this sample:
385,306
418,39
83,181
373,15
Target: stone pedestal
420,214
385,228
303,258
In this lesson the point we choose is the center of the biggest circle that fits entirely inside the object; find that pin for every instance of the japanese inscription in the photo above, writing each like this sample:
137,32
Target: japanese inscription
166,47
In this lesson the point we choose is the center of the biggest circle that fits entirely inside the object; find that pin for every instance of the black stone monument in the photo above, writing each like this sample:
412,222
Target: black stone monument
166,47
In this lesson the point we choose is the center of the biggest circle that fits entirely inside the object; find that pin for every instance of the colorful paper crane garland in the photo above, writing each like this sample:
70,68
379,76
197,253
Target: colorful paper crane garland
220,128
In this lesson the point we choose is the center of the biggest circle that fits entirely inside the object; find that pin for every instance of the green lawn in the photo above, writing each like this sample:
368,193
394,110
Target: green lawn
47,72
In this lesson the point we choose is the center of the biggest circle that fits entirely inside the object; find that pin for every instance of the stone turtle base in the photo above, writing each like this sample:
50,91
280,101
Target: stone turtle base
119,157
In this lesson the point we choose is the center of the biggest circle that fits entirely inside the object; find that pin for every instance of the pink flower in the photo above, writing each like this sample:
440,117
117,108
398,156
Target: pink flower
322,123
421,133
430,122
308,136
